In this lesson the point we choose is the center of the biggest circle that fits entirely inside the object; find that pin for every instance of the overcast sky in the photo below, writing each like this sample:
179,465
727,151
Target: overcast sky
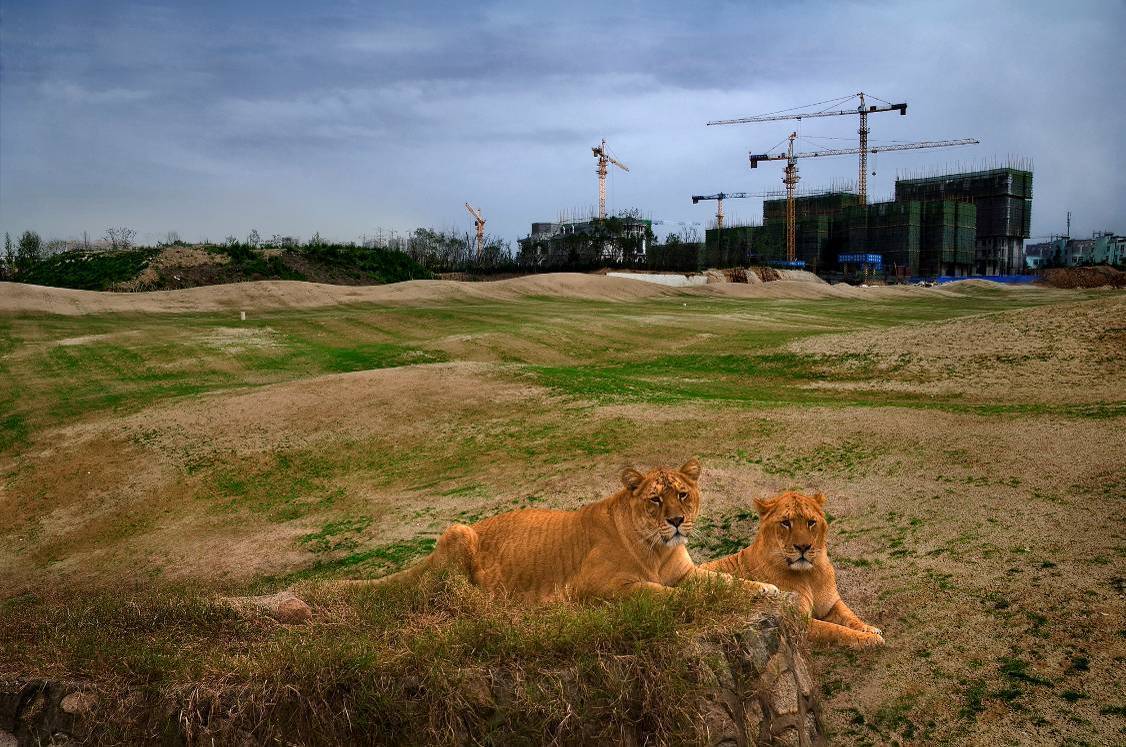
212,118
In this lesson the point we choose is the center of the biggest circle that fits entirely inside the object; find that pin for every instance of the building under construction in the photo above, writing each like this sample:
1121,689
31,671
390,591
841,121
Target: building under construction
614,240
1003,198
949,225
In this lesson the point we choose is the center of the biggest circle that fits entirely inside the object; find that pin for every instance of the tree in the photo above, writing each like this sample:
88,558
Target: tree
29,250
9,255
172,237
253,239
120,238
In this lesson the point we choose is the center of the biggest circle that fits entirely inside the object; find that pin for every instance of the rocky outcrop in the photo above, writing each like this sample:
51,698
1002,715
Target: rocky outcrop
42,712
750,686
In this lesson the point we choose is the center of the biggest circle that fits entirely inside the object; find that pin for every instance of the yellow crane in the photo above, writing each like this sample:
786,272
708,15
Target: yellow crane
863,110
480,223
604,159
790,177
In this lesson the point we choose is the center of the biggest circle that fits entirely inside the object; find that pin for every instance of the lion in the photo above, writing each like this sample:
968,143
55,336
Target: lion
790,551
631,541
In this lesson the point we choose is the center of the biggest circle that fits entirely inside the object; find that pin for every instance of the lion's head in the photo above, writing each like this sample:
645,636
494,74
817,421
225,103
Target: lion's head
664,502
793,528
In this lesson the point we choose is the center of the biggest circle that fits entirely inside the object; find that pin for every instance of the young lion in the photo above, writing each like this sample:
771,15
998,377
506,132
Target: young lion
632,540
790,551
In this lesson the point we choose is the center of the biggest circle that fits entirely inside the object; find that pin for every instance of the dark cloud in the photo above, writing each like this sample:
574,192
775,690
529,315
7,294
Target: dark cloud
212,117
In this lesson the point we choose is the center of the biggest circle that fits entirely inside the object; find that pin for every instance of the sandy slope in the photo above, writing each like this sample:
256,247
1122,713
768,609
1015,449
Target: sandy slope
276,294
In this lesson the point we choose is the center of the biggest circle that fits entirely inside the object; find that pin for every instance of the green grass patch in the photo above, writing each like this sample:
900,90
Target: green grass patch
85,270
371,562
336,535
1017,670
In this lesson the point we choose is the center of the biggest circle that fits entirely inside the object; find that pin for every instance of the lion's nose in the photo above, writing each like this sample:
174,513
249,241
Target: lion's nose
676,521
803,549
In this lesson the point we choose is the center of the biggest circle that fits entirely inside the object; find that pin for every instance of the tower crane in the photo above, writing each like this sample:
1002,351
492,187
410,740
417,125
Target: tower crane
480,223
604,159
863,110
791,178
719,197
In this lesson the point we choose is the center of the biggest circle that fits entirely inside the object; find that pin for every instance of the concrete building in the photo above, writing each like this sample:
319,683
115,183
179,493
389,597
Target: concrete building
612,240
1103,248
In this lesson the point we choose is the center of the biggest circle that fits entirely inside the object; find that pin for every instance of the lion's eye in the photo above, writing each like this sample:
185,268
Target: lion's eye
682,495
786,523
812,523
656,499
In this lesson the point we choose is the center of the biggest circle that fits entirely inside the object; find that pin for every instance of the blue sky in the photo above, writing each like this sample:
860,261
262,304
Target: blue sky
213,118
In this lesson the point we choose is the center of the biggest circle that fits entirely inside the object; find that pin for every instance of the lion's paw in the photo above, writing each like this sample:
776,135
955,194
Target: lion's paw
871,640
768,590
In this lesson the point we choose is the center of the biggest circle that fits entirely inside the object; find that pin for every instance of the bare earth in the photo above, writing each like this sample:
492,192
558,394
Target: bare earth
987,545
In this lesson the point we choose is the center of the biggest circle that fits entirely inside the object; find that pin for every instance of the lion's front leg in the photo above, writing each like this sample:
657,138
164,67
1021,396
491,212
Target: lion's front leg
840,614
821,631
702,575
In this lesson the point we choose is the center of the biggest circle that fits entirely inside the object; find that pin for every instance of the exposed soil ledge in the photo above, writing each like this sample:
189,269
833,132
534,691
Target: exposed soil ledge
751,686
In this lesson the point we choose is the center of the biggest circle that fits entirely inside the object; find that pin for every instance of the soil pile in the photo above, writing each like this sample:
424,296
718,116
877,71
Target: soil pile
1085,277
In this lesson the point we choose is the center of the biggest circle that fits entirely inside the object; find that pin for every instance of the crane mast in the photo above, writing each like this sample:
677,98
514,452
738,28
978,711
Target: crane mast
604,160
790,178
863,110
479,221
719,197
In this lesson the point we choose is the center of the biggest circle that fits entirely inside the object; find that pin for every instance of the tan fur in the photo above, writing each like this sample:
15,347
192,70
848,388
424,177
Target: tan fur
621,544
776,556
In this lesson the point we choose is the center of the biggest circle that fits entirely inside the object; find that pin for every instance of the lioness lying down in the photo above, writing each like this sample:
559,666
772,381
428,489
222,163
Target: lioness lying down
790,551
632,540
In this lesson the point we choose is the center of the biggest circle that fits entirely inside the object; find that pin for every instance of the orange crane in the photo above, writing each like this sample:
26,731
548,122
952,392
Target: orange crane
863,110
719,197
790,177
604,159
480,222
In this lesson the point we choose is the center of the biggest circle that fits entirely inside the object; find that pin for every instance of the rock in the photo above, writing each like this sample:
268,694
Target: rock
78,703
284,606
38,712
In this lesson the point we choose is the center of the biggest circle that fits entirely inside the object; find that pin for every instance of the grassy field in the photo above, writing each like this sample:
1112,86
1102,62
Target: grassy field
971,444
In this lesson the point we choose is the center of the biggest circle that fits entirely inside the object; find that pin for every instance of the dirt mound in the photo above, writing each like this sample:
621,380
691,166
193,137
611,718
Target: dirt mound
1084,277
1061,353
273,294
802,276
974,283
263,295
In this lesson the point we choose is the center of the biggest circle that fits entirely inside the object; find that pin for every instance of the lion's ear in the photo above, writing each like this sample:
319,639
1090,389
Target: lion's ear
691,469
632,479
763,506
819,498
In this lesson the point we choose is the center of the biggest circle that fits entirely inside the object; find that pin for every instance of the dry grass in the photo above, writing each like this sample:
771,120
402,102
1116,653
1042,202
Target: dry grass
436,663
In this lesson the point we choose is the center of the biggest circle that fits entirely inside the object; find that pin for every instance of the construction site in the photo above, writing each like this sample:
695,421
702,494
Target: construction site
939,224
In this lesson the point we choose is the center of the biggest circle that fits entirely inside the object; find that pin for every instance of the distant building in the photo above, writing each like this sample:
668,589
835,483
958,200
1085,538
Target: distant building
613,240
1103,248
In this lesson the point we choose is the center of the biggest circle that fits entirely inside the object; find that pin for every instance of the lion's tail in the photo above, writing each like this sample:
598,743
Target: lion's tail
456,551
